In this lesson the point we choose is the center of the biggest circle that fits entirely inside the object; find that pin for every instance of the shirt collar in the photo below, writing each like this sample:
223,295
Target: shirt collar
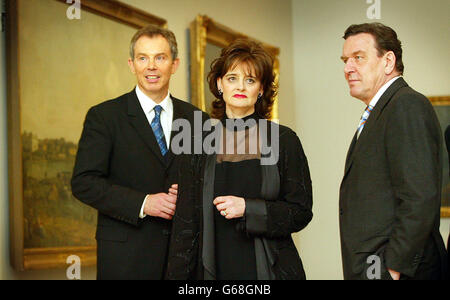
148,104
381,91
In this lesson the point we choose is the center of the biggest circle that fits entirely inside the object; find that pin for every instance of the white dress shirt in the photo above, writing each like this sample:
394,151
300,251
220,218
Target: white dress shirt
148,105
378,95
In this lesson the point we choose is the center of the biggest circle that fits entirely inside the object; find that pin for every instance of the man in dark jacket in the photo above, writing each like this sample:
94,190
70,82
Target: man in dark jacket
390,194
125,166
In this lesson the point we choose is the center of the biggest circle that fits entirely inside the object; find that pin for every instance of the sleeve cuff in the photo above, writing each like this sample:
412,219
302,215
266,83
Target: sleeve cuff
255,216
141,213
407,265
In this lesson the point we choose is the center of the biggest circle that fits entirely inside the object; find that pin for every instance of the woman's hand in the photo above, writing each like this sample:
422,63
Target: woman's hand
230,206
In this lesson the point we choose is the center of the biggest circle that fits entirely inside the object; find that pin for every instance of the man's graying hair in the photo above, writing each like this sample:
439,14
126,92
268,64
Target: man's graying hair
151,31
385,40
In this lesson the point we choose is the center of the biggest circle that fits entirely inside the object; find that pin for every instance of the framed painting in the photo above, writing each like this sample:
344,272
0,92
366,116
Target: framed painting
62,58
441,106
207,38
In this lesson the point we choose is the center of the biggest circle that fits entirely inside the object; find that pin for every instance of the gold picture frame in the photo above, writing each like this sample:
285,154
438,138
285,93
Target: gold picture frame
442,108
19,39
204,30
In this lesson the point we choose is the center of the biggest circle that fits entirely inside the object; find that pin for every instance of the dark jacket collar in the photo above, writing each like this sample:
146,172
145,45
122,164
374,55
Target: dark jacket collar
140,123
373,117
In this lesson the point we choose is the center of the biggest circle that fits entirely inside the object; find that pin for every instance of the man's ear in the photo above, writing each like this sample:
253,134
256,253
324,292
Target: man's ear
390,61
175,65
131,65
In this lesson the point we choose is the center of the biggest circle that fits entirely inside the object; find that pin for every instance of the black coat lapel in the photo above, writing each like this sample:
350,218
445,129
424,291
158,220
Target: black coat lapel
371,121
208,247
139,122
178,113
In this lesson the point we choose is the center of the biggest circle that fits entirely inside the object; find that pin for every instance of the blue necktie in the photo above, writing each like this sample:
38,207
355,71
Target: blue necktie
364,118
158,131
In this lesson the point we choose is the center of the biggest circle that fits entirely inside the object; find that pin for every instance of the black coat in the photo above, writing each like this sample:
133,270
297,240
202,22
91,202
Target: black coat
390,194
270,221
118,163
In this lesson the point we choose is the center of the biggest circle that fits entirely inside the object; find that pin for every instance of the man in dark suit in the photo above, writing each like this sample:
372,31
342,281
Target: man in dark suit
125,167
390,193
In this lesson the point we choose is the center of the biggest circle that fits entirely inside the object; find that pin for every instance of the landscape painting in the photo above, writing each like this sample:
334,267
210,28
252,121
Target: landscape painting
62,60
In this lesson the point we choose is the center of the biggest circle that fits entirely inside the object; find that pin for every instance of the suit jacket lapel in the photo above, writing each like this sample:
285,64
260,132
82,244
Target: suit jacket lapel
371,121
350,152
139,121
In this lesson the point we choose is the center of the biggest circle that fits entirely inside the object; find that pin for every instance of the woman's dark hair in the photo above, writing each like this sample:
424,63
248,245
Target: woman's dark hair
255,56
385,40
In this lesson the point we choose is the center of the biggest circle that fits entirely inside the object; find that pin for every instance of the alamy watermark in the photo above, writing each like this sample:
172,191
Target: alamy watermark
73,11
241,137
374,270
74,270
374,11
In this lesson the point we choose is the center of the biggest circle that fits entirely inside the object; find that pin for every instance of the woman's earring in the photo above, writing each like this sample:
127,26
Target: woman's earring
259,96
220,92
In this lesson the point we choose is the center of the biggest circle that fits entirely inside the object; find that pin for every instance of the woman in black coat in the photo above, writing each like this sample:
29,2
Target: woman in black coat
239,203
